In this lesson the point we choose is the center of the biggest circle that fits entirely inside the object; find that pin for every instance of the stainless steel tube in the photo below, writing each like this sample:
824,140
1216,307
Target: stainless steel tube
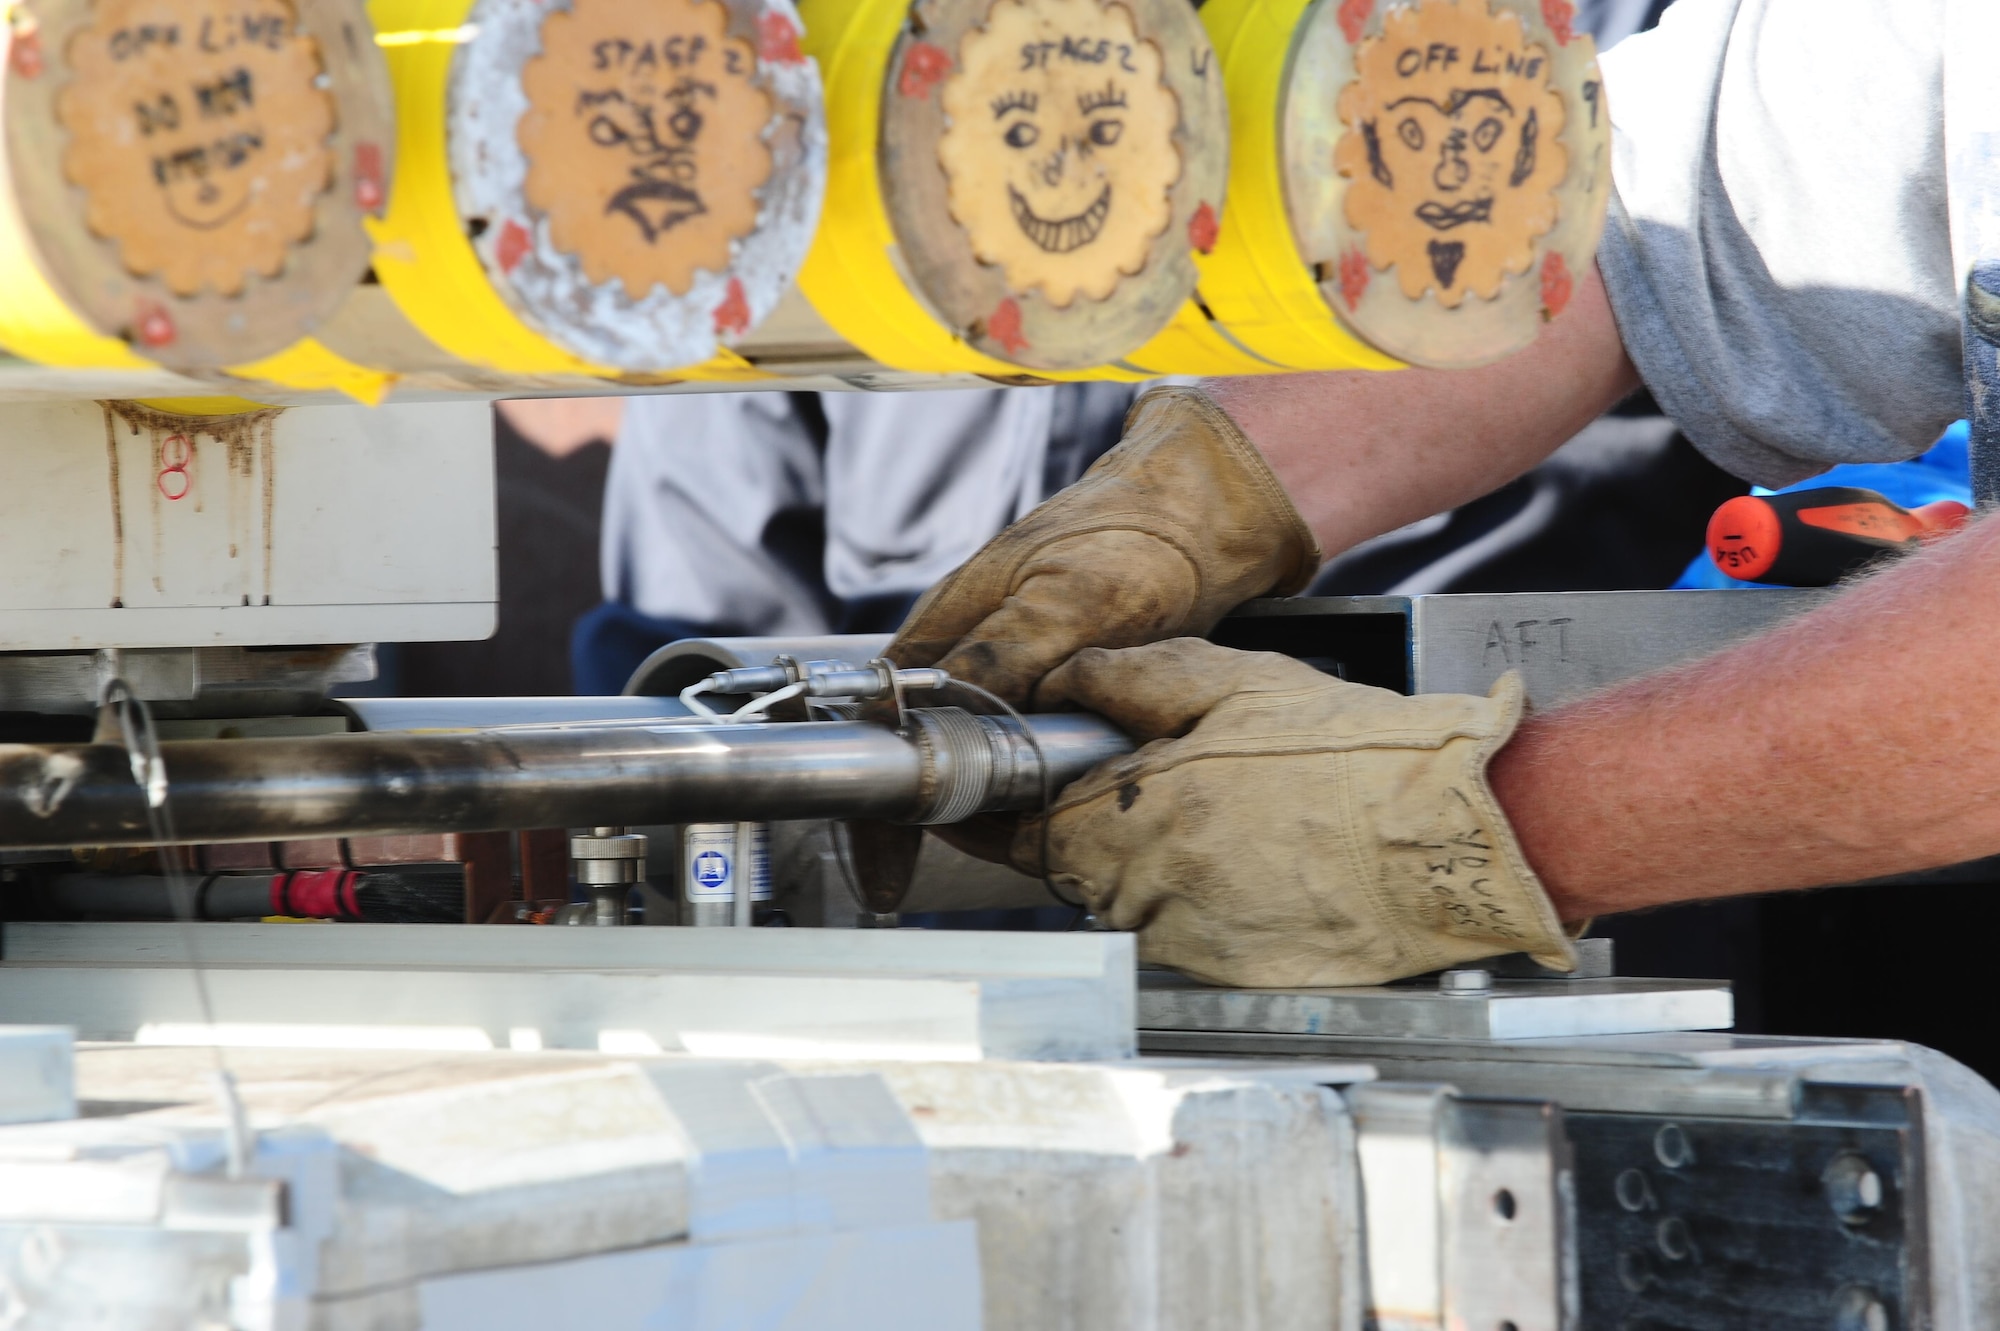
356,785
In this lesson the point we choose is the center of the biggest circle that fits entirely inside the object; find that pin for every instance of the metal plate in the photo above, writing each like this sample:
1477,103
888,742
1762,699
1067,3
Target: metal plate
1717,1224
1565,644
1510,1010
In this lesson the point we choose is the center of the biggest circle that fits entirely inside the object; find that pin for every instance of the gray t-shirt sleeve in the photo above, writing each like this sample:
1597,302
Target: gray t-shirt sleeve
1778,254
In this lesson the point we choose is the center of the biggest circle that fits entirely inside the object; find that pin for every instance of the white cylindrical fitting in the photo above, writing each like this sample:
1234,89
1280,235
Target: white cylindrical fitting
711,859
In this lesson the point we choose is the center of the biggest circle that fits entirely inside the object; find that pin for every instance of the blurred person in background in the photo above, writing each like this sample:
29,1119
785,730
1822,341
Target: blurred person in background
798,514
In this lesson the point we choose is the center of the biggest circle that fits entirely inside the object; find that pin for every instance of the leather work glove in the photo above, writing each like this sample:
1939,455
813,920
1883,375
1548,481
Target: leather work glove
1178,525
1283,828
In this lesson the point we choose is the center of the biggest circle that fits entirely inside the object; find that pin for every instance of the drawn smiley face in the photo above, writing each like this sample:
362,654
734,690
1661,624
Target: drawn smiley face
1451,148
1059,147
205,185
202,153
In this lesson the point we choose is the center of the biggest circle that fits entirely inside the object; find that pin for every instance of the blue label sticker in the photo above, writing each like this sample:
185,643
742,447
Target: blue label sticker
711,869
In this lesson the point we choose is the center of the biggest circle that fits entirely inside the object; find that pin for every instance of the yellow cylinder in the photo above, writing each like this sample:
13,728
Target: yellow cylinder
594,188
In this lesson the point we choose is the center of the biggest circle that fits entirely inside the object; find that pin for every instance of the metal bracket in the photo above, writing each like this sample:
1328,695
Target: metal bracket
1470,1210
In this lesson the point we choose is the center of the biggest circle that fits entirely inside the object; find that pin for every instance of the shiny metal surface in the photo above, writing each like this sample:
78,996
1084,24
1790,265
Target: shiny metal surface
1565,644
1469,1208
347,785
386,714
809,993
186,681
1501,1010
679,664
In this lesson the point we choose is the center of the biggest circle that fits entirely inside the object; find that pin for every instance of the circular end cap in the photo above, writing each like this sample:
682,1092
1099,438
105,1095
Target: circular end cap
648,175
1049,168
1744,537
193,174
1470,143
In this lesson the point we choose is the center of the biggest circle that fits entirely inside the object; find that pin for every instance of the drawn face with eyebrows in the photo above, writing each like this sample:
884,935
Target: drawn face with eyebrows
644,140
1059,148
1451,148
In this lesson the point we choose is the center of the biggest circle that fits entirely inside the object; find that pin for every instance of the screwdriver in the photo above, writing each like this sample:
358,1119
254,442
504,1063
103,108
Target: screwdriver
1814,538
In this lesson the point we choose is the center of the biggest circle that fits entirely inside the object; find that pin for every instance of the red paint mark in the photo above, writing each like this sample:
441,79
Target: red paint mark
1004,327
923,69
1559,15
515,243
1355,275
733,315
778,40
27,54
156,326
1203,228
1354,17
370,191
175,455
1557,285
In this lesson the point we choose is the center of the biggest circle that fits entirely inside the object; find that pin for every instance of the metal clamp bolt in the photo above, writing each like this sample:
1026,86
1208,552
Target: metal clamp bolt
609,861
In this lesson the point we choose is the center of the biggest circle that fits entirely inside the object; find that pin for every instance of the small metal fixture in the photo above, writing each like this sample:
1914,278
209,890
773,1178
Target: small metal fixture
610,862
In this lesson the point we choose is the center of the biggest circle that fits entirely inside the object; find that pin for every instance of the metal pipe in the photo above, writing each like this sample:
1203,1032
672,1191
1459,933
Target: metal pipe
742,907
148,897
365,785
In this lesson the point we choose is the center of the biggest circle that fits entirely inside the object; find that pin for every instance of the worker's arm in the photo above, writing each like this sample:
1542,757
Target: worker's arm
1282,828
1214,498
1855,742
1362,453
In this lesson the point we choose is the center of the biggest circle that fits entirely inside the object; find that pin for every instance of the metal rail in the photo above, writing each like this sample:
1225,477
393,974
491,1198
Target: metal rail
947,765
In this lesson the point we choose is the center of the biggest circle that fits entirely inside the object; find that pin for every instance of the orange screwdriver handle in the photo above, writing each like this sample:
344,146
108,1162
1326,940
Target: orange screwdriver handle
1814,538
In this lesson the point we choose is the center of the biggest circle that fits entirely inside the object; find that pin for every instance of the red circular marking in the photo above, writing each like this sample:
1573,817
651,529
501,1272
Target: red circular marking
156,326
176,455
27,56
923,69
1203,229
1004,327
1355,274
515,243
1354,17
1557,285
370,191
778,40
1559,15
733,315
1744,537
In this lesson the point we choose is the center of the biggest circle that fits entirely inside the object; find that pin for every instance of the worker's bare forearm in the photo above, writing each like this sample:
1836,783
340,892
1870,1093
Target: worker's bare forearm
1854,742
1364,453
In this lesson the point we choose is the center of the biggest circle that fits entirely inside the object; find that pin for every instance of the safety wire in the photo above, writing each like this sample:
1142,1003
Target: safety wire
149,770
750,711
691,699
758,706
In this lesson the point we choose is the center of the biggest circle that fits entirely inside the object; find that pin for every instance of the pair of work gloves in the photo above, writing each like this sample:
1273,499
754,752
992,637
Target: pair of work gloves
1278,827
